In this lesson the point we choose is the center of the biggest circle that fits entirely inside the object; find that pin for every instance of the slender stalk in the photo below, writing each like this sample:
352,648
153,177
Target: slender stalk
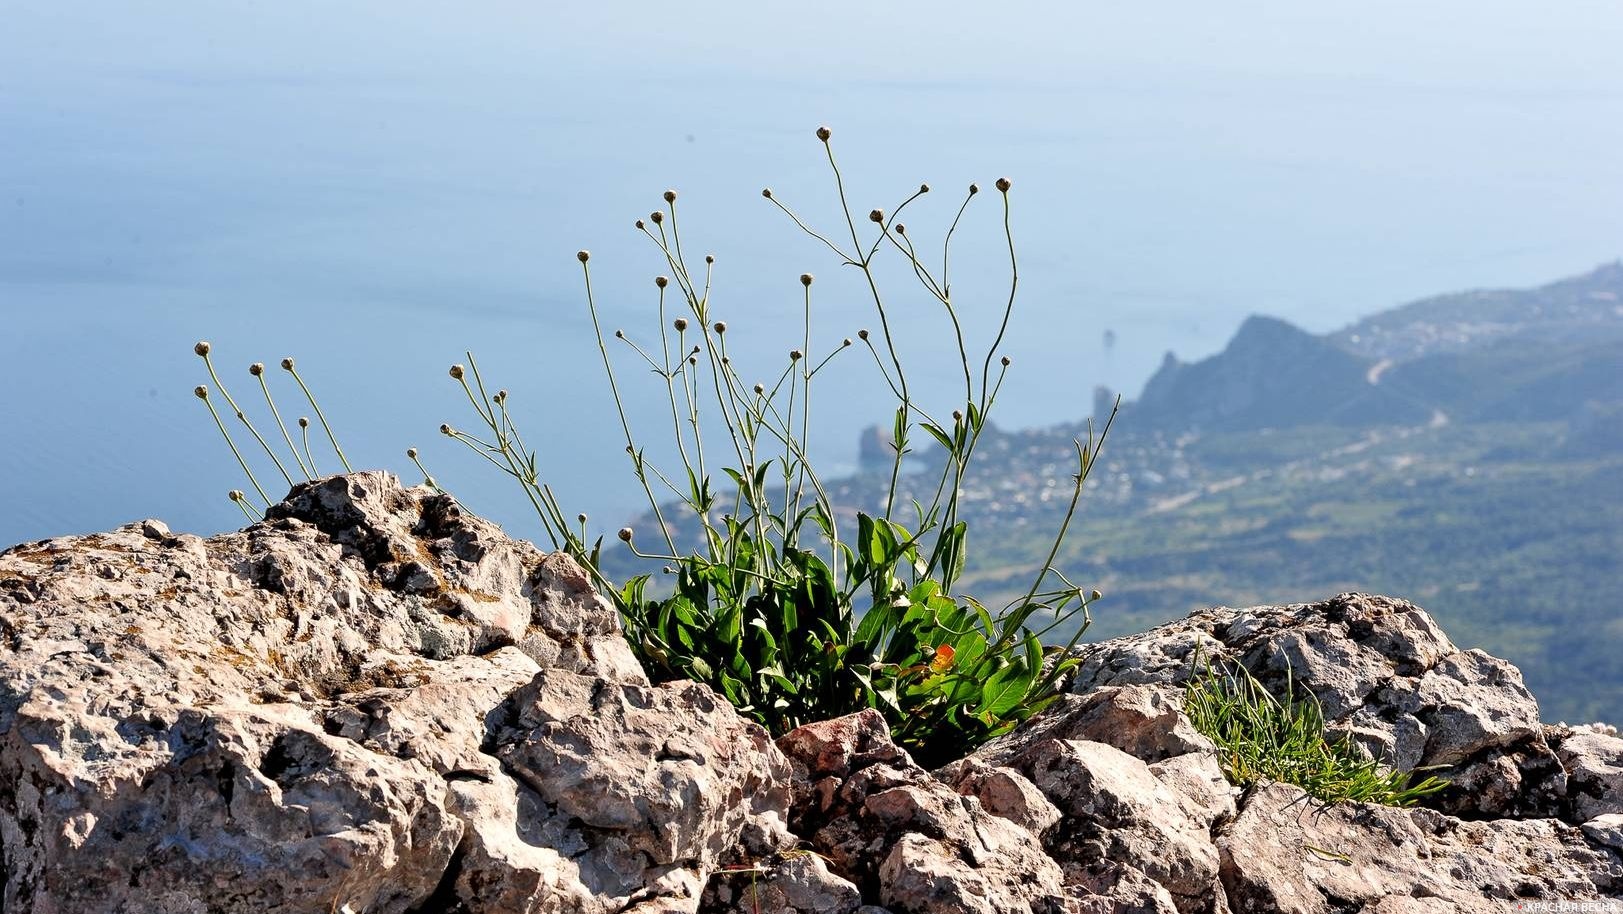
202,394
1014,284
243,418
304,433
619,407
320,416
242,503
265,389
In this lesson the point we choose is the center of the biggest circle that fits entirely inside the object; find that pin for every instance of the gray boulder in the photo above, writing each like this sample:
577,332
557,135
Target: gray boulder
1285,853
904,838
372,701
1385,674
1594,763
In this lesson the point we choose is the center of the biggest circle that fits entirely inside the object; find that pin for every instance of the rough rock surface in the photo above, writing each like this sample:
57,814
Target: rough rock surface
371,701
375,702
1382,670
906,839
1594,765
1285,854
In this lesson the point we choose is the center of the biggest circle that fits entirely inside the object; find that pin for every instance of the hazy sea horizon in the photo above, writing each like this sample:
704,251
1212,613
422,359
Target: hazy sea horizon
375,190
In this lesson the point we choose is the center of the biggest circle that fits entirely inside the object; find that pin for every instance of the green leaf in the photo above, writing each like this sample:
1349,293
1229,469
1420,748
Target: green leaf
939,435
1004,690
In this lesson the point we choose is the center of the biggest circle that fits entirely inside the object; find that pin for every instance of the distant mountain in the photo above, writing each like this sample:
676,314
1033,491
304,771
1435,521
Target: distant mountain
1582,309
1273,375
1514,379
1523,355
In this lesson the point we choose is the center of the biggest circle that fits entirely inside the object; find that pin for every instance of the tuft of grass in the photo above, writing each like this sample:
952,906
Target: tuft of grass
1262,739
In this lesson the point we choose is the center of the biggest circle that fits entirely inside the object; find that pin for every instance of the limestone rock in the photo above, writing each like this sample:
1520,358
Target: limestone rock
1003,792
904,838
1594,764
1606,830
1115,809
371,701
1284,853
798,883
1384,673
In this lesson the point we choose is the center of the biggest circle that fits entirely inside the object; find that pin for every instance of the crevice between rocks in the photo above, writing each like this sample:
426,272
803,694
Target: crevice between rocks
444,899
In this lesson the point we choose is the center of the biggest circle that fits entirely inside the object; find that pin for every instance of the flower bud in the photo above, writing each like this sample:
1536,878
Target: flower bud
974,189
795,354
805,279
823,133
957,415
456,372
662,281
709,258
726,361
619,334
581,517
639,224
670,196
411,453
760,389
862,334
304,422
924,188
235,495
693,360
625,534
766,192
287,364
202,347
721,326
501,395
845,342
696,351
446,429
583,256
877,215
901,229
201,391
1005,360
656,217
1096,595
680,324
256,369
1003,184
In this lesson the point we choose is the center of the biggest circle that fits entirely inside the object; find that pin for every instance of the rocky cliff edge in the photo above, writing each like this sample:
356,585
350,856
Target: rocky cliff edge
373,701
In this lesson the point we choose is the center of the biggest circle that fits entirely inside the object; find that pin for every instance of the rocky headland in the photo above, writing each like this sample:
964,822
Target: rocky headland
373,701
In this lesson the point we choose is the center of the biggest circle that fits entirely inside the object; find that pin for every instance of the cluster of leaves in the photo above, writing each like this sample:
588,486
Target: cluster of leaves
1261,739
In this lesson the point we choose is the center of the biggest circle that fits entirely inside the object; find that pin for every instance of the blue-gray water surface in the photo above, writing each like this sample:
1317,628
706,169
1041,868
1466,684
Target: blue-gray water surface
375,187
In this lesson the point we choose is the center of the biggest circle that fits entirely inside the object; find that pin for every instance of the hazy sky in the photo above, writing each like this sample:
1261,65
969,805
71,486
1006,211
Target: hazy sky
375,186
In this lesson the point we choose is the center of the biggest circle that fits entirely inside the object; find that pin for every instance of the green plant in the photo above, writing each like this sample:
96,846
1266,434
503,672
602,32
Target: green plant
769,586
1261,738
769,581
305,461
